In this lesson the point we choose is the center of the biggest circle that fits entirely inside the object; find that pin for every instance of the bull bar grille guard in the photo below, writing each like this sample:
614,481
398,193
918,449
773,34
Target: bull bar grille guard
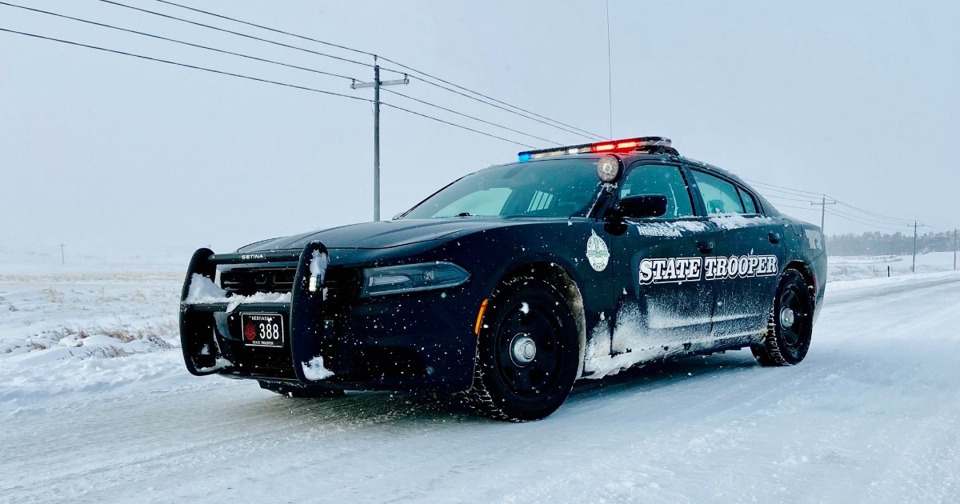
305,311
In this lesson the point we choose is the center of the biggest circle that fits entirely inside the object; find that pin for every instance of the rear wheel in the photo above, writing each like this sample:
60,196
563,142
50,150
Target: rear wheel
528,352
297,390
790,327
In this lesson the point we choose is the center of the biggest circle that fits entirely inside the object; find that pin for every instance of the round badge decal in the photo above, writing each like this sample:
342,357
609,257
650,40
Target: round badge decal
597,252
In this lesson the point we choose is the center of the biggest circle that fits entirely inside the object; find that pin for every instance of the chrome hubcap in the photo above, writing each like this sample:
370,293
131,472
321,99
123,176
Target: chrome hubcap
523,349
787,317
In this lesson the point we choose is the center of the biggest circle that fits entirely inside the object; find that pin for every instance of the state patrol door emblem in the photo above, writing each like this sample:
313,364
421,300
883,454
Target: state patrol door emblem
597,252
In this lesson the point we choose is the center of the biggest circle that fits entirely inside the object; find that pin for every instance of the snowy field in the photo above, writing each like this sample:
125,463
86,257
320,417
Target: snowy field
97,407
859,267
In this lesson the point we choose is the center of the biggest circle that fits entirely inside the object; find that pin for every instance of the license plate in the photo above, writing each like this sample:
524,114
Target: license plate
264,330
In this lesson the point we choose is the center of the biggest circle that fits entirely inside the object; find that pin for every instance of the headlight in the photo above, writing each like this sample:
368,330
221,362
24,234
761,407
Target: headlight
412,278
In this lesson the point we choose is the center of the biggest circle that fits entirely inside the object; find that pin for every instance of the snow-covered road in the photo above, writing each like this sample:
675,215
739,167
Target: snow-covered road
872,415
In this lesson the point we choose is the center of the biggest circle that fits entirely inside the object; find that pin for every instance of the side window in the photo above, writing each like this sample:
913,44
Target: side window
749,205
719,196
660,180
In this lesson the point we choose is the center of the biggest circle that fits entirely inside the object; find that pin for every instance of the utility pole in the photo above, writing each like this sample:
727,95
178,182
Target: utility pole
954,250
376,127
823,209
913,269
63,258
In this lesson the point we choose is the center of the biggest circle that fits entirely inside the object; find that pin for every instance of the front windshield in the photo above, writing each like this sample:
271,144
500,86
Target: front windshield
548,188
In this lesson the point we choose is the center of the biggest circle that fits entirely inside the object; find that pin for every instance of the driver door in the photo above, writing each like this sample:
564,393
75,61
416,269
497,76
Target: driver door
664,306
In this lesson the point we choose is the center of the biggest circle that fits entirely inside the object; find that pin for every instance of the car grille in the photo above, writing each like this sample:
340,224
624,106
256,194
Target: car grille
340,282
247,281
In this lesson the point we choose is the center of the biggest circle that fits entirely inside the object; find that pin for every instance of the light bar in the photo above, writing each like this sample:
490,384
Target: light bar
627,144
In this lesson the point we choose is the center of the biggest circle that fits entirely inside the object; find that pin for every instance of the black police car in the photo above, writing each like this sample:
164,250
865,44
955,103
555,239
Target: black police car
513,282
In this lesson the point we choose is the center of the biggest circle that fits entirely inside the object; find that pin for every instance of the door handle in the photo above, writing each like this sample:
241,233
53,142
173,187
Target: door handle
705,247
774,238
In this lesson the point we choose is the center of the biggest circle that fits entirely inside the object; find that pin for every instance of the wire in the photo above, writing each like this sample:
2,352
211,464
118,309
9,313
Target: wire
777,196
502,104
159,37
494,105
787,189
224,30
262,27
465,115
552,122
267,81
870,219
874,213
185,65
385,104
876,226
798,207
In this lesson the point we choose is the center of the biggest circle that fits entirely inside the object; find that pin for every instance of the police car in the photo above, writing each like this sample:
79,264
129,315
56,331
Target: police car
513,282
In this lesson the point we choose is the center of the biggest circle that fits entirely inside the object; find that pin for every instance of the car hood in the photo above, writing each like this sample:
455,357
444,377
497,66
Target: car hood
378,235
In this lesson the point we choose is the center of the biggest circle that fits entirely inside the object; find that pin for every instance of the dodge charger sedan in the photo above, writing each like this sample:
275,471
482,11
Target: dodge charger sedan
513,282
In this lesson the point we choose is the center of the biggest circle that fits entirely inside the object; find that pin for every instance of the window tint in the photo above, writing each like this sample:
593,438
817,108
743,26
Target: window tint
660,180
719,196
749,205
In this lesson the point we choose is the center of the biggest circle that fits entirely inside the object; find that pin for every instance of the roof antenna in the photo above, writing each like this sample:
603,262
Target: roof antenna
609,72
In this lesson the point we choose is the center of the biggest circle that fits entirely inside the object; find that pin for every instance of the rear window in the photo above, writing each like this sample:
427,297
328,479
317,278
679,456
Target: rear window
749,204
719,196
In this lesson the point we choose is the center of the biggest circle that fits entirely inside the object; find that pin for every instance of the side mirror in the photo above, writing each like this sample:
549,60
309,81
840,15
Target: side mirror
642,206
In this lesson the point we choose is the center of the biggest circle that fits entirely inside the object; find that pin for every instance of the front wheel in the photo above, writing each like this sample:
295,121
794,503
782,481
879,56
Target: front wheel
528,352
790,327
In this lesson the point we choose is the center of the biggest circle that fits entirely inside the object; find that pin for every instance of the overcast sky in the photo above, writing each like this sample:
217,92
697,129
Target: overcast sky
112,155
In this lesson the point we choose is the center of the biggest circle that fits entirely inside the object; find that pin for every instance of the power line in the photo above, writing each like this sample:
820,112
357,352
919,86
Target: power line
253,58
424,75
868,212
787,190
494,105
185,65
777,196
239,34
868,224
257,79
176,41
531,115
385,104
424,102
262,27
798,207
869,219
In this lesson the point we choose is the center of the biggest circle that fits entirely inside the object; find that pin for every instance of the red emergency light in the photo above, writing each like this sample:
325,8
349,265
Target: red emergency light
625,145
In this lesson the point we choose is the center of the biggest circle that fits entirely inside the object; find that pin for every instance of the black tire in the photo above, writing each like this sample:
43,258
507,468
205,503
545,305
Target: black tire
787,338
300,391
528,352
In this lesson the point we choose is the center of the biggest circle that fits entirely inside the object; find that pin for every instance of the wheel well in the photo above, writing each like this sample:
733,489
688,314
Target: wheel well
558,277
808,277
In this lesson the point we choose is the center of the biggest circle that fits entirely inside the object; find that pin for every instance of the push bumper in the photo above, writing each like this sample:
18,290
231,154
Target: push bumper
393,343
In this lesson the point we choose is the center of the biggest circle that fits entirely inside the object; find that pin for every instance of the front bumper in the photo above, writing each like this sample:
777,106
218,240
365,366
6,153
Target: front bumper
397,342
